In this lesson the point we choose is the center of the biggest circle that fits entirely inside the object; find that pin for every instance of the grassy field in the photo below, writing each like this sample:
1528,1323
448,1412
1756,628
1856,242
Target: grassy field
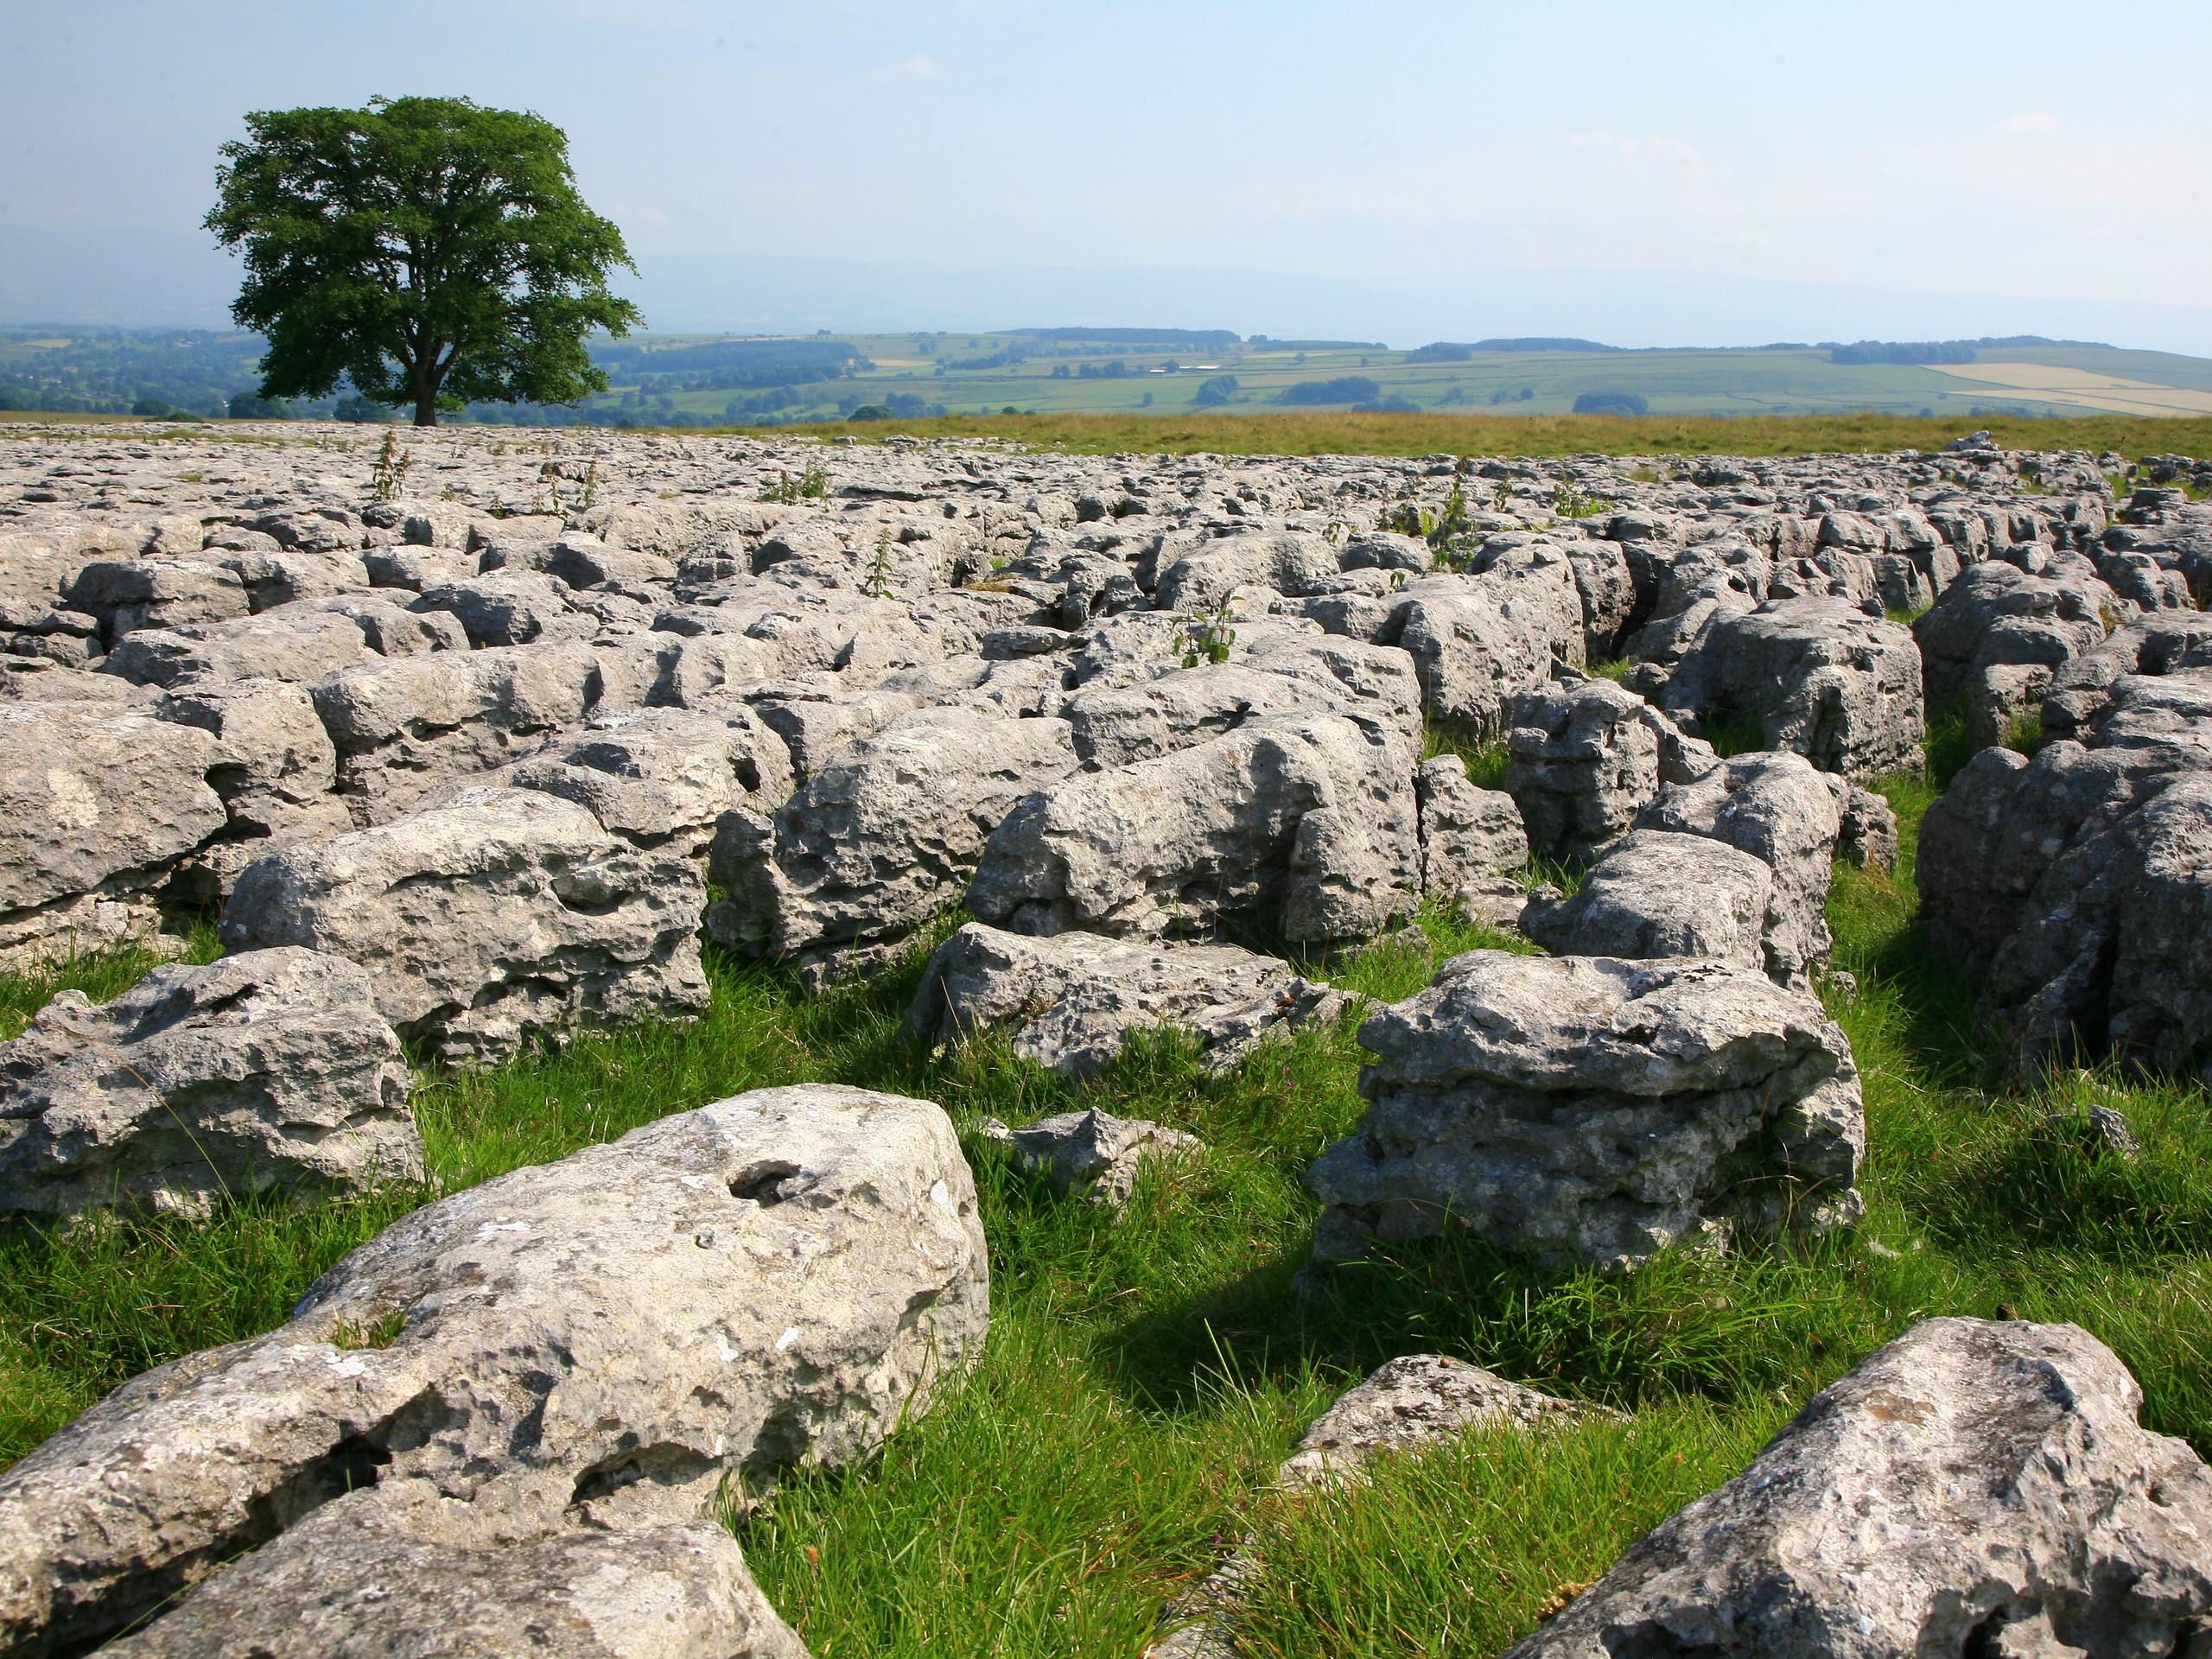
1318,434
1143,1377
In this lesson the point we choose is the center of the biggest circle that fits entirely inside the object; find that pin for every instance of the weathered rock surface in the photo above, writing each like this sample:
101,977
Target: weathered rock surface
2077,886
1971,1488
1594,1110
274,767
409,728
1095,1153
1775,807
497,918
1070,1001
268,1071
1823,678
1584,759
350,1582
97,803
1306,825
1656,893
517,1377
662,778
882,839
1470,837
1997,614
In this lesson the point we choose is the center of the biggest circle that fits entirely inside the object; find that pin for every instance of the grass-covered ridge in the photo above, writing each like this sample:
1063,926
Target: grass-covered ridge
1143,1377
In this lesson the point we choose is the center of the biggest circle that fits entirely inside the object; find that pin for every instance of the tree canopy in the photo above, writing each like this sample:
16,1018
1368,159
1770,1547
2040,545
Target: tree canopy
430,251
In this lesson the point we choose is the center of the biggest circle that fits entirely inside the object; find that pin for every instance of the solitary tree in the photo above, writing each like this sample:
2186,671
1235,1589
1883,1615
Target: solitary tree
430,251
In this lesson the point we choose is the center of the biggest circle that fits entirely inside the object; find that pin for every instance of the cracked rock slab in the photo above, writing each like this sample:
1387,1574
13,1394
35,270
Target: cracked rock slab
266,1072
591,1346
1973,1488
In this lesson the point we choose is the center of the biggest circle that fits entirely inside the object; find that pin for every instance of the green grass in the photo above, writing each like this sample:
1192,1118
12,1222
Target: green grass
1181,432
1144,1375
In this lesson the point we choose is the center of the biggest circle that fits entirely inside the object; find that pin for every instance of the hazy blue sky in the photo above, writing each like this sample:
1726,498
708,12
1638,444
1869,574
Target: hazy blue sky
2052,152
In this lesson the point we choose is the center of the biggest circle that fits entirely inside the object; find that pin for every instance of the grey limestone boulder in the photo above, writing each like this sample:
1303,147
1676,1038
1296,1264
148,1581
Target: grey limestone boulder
1096,1153
1775,807
1070,1001
268,1071
1823,678
409,728
1595,1111
280,645
1470,837
1306,825
1971,1488
662,778
511,609
1656,893
504,1385
1284,562
1584,759
2075,887
2077,691
1477,645
880,841
324,1590
156,593
1998,615
274,766
497,916
97,803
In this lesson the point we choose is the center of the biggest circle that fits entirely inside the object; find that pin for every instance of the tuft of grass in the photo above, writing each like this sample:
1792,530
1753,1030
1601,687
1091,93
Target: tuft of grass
1736,734
1465,1550
1486,762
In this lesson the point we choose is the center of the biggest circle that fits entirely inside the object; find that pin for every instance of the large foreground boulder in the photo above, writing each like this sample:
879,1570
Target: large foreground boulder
514,1377
1595,1111
97,803
1070,1001
268,1071
2077,886
498,917
1306,825
1820,676
323,1590
1972,1488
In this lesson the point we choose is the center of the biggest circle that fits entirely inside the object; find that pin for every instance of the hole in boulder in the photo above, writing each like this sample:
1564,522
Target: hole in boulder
762,1183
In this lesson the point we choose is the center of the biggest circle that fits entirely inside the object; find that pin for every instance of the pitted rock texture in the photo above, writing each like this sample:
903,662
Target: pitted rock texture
98,804
1971,1488
348,1583
1656,893
1306,825
1585,758
1821,676
1070,1001
2077,886
267,1073
500,917
1777,808
883,839
1595,1111
586,1348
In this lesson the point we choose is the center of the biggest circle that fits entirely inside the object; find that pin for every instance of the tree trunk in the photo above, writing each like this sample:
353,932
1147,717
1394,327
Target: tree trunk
426,397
